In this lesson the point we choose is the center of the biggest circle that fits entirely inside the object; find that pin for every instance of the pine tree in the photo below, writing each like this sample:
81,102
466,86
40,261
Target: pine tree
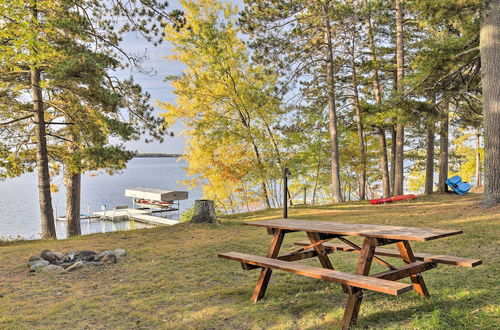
490,71
63,54
298,37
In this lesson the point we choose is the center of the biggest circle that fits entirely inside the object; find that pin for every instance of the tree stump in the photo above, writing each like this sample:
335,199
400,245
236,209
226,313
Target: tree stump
204,211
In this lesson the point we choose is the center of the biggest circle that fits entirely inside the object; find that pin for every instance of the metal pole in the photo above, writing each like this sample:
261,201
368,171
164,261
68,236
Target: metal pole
286,173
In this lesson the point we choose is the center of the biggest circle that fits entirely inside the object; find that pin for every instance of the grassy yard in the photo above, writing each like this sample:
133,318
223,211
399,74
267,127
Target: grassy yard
172,277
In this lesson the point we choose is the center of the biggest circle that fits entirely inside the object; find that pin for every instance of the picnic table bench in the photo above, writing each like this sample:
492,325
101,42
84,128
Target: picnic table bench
320,232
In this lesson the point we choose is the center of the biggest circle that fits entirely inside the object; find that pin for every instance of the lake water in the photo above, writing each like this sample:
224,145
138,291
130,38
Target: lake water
19,210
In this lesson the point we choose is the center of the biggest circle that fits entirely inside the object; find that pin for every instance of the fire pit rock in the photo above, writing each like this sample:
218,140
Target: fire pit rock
58,262
35,265
53,269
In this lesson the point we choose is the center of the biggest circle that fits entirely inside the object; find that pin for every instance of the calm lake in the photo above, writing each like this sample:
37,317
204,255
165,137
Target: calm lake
19,212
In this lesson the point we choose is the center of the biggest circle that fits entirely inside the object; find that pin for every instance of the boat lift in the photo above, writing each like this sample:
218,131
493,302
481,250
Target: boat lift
147,203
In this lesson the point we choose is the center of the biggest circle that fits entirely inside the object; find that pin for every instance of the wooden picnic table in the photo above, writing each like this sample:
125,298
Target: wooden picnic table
320,232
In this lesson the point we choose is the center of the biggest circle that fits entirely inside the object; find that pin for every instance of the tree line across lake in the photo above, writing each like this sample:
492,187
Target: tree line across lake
357,98
156,155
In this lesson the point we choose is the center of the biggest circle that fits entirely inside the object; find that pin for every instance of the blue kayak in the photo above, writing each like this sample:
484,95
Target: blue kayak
456,184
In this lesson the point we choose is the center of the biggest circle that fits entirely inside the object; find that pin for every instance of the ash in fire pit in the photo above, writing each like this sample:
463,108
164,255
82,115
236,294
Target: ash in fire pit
58,262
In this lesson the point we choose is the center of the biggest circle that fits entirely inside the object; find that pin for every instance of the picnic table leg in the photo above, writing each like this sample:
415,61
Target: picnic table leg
417,279
356,294
265,273
320,250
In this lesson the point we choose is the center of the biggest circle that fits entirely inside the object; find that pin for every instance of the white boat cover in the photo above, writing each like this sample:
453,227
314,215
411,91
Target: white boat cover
156,194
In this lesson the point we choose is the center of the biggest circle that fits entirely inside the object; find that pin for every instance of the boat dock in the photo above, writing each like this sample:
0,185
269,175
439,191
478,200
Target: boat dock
150,202
136,215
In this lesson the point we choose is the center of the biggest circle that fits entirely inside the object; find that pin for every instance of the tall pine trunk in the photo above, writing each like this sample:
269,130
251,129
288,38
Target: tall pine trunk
359,126
73,193
384,163
42,160
42,155
443,152
377,92
429,159
478,160
490,72
393,157
332,112
72,181
399,152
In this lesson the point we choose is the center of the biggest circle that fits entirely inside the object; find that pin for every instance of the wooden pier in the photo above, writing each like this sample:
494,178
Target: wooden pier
138,215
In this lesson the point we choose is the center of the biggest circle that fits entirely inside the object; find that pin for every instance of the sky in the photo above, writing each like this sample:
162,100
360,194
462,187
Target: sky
159,89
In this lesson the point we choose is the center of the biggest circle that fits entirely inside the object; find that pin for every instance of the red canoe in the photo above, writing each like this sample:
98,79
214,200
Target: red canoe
392,199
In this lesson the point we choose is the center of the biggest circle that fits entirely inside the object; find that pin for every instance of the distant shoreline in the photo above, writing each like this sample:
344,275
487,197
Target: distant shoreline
156,155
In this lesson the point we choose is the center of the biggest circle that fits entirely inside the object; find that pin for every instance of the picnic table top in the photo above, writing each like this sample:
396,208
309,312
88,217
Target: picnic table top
357,229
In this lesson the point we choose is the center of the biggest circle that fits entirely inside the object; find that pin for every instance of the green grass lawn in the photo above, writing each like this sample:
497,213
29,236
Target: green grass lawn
172,277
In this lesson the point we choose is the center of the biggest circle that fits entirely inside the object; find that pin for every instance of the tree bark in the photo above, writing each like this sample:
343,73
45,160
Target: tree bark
72,181
332,112
429,159
489,44
204,212
384,163
377,92
42,159
359,126
478,160
399,152
73,193
443,153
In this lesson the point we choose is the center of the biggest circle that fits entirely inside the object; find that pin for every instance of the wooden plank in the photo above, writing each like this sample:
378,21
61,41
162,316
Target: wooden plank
356,229
406,270
298,256
439,258
358,249
355,298
265,273
286,257
322,253
320,250
364,282
417,279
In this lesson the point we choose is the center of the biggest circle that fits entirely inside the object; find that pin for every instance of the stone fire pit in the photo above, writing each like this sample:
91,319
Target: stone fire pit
58,262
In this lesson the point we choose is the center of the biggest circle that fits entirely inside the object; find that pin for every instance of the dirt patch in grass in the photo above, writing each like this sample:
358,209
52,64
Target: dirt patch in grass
172,277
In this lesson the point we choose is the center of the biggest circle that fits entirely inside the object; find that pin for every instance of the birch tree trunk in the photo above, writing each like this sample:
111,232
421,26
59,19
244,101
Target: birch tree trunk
332,112
265,194
489,44
399,152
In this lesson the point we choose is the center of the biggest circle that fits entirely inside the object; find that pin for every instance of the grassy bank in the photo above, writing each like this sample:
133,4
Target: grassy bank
172,278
